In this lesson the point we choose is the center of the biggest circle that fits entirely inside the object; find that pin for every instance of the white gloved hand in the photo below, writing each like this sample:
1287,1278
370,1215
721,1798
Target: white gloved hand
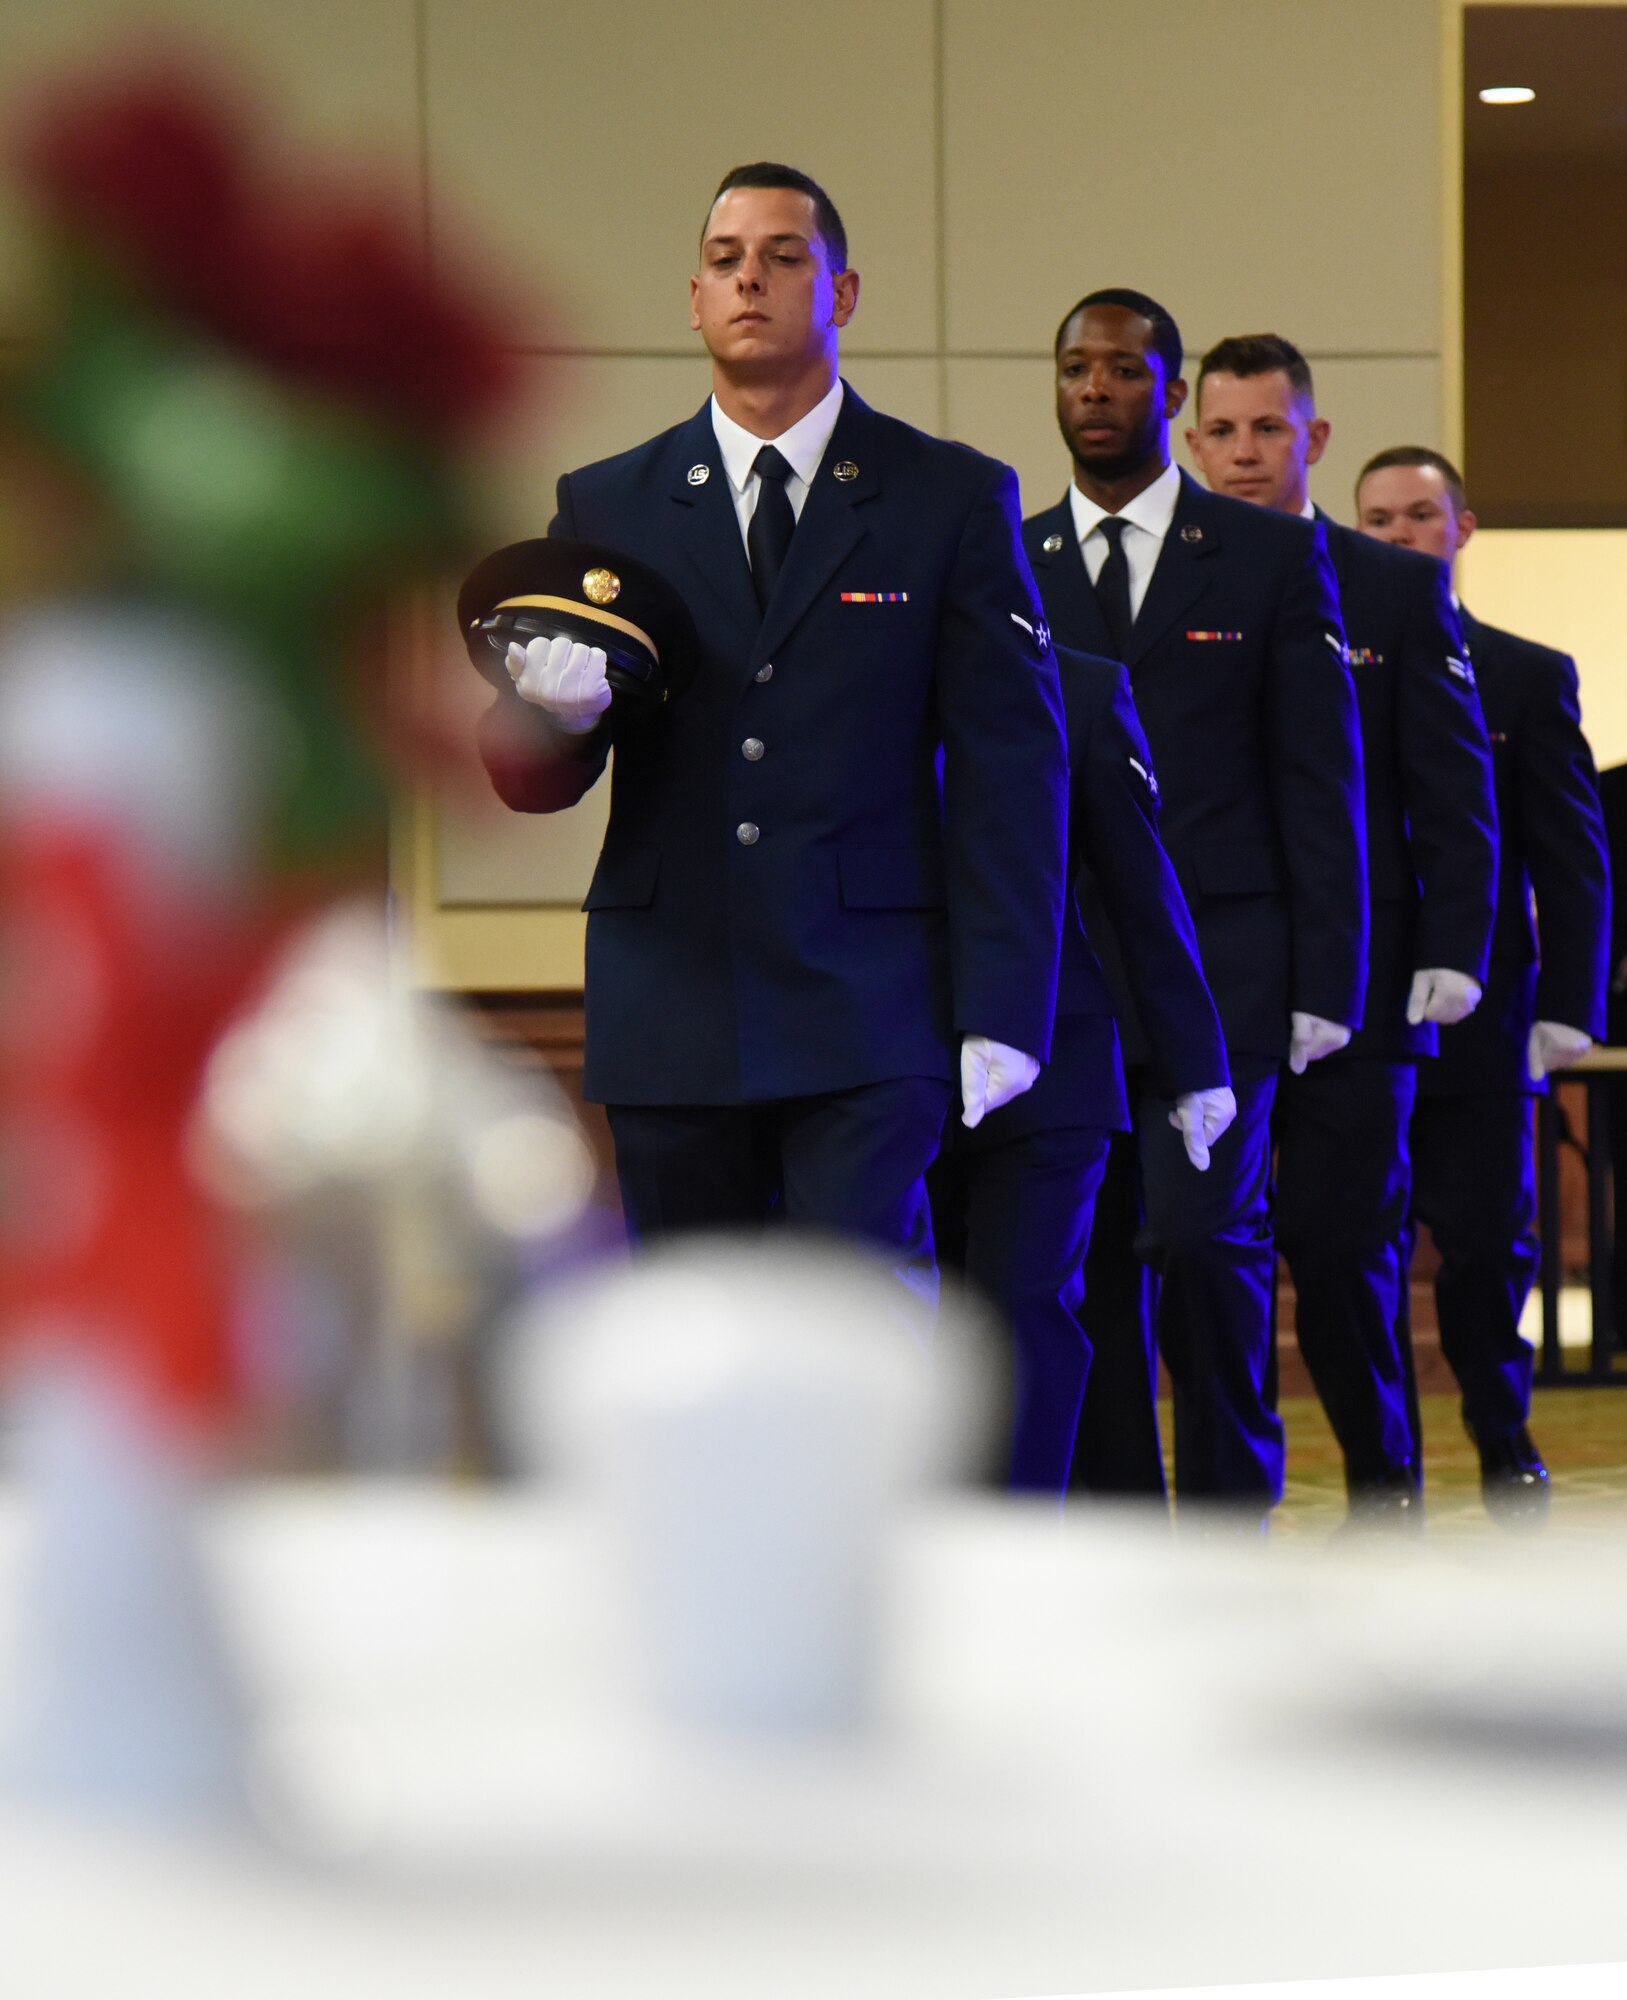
1311,1038
1441,995
565,678
991,1075
1200,1117
1553,1046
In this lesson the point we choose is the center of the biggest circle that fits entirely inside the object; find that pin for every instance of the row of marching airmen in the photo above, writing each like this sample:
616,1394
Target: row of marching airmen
969,881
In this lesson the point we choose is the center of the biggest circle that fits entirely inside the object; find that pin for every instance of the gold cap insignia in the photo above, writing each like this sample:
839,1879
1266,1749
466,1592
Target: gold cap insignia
1051,544
699,474
1190,533
601,586
846,471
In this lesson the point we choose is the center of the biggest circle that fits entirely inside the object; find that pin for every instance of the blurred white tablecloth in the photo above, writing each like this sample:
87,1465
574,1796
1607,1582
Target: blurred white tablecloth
1102,1760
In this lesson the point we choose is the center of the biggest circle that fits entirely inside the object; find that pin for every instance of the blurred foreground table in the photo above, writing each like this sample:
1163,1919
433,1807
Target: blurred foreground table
1102,1759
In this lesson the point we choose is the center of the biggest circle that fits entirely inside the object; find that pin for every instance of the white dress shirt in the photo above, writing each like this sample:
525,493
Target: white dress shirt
802,447
1149,515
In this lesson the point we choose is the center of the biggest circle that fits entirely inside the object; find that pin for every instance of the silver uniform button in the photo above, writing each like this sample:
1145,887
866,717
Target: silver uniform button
764,673
746,833
752,749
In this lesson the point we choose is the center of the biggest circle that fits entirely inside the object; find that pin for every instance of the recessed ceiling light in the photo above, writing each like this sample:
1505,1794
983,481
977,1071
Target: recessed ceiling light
1508,93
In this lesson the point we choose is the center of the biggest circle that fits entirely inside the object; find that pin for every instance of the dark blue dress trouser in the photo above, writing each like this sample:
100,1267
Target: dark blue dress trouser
1343,1183
1207,1240
851,1162
1473,1187
1013,1213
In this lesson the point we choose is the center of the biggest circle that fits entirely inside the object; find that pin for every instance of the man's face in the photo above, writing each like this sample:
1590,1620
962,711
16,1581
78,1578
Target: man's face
1256,440
766,298
1113,404
1412,506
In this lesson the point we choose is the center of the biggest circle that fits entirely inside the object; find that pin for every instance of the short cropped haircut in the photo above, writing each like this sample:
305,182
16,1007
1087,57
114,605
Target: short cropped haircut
1417,454
770,174
1248,354
1166,335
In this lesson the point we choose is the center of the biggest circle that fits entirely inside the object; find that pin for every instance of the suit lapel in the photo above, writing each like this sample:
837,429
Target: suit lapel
829,527
1179,577
1064,583
1471,634
708,528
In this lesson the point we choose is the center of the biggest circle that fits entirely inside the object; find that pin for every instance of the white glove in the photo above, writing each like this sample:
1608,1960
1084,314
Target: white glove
1553,1046
1311,1038
991,1075
564,677
1200,1117
1440,995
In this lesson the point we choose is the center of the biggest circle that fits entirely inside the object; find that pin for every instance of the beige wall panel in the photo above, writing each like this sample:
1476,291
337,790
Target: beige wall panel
573,411
900,388
1371,405
584,141
342,78
1258,164
1008,408
485,854
499,951
580,410
1561,587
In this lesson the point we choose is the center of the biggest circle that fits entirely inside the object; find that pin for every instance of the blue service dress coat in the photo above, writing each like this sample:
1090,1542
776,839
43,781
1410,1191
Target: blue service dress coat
842,848
1237,663
1553,846
1116,854
1426,762
1012,1201
1343,1166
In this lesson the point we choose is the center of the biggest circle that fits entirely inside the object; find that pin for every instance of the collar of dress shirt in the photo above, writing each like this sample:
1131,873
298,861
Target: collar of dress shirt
1308,511
802,446
1151,510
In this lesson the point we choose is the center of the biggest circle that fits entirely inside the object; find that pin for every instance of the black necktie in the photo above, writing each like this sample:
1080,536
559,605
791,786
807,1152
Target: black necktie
772,521
1113,584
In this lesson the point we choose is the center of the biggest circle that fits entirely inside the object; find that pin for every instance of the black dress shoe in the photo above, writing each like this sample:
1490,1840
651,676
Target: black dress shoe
1389,1503
1514,1481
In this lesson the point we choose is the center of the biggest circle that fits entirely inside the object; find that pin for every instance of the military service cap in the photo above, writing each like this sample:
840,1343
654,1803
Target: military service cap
581,590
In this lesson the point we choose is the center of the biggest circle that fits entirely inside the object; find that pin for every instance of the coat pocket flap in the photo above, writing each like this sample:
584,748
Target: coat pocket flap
891,878
1241,869
624,881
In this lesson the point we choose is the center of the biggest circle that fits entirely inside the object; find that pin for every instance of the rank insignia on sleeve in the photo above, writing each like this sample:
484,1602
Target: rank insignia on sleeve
1040,633
1460,669
1145,776
1341,652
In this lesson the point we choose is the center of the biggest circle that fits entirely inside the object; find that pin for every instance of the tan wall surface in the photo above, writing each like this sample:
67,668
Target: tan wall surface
991,163
1565,589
